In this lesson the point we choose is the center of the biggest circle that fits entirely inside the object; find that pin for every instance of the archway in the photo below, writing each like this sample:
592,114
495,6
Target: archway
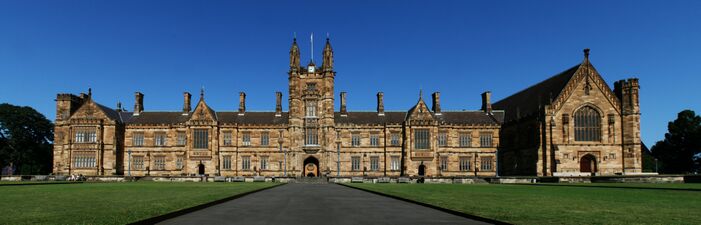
422,170
587,164
311,167
200,169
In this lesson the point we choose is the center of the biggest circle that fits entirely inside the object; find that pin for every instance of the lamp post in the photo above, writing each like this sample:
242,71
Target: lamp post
279,141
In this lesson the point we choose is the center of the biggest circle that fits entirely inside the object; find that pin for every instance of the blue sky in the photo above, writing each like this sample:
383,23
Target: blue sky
460,48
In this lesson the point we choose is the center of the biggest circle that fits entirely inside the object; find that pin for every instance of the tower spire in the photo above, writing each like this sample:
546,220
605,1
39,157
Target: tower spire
294,54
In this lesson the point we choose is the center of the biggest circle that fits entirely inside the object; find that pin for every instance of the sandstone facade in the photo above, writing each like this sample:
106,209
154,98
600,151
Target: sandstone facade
315,138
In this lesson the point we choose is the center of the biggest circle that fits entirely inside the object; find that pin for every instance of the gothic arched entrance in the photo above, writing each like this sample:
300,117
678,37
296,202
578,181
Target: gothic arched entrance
422,170
200,169
311,167
587,164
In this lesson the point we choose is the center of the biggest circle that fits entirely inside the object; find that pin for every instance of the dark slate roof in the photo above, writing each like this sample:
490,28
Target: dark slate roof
527,101
252,118
369,117
156,118
111,113
471,117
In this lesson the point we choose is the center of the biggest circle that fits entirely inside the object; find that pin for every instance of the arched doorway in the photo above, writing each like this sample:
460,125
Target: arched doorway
422,170
200,169
311,167
587,164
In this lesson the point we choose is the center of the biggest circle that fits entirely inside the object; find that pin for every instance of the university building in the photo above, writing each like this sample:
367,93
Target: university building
571,124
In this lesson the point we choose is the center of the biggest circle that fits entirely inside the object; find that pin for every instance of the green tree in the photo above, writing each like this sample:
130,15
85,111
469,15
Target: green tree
680,144
26,139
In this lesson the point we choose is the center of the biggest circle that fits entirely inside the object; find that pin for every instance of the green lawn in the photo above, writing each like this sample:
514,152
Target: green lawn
108,203
554,204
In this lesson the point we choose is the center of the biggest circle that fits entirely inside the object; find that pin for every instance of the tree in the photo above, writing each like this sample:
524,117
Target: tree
681,143
26,139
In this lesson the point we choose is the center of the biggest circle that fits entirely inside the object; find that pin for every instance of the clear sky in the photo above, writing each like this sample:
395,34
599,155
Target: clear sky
460,48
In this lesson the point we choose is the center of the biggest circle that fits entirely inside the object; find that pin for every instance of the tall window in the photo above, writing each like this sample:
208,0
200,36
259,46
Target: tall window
486,139
246,138
311,137
137,139
159,163
201,138
486,163
395,139
182,139
160,139
355,163
226,162
227,138
374,140
355,140
85,135
465,163
264,139
179,162
83,160
421,139
587,124
374,163
394,165
245,163
444,163
264,163
464,139
310,109
137,162
442,139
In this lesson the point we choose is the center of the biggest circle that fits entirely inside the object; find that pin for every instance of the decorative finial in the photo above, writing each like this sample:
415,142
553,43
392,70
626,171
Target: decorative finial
421,93
586,53
294,36
327,36
90,92
202,92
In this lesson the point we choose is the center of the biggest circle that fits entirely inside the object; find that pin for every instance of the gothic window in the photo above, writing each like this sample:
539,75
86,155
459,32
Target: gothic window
159,163
587,124
486,139
246,139
137,139
182,139
160,139
264,163
374,163
311,136
465,163
444,163
201,138
310,109
227,138
311,86
442,139
227,162
355,163
83,160
264,139
395,139
179,162
245,163
421,139
486,163
355,140
374,140
395,163
465,140
85,135
137,162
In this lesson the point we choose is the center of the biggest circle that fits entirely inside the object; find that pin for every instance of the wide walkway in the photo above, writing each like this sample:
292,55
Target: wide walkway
332,204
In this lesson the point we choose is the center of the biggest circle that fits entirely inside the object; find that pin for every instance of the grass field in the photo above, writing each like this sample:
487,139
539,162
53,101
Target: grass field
108,203
558,204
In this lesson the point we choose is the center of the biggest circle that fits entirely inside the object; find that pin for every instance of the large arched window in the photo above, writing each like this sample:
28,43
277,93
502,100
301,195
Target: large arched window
587,124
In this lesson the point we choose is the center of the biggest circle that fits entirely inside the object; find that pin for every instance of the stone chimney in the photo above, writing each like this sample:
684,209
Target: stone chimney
380,104
138,103
242,103
186,103
487,102
278,104
343,104
119,106
436,103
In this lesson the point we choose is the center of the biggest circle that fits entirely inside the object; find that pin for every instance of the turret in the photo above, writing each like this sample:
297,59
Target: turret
294,56
327,64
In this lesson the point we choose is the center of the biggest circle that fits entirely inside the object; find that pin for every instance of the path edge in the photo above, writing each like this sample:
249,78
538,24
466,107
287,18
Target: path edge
450,211
170,215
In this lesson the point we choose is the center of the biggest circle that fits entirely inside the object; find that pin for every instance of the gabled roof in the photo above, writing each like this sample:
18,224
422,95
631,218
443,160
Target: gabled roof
471,117
155,118
528,101
110,113
256,118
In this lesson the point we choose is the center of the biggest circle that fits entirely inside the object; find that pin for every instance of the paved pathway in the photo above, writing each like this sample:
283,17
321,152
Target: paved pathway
317,204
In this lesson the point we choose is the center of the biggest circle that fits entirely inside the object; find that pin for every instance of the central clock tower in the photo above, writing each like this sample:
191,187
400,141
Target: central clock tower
311,111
